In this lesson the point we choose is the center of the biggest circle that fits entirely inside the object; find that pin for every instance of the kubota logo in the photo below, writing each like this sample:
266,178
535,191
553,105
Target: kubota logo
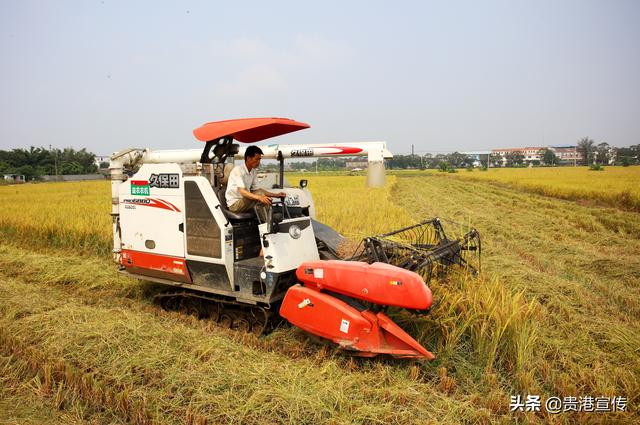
165,180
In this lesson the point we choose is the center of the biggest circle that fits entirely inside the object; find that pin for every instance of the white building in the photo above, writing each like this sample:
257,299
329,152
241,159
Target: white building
530,153
566,154
479,157
15,178
100,159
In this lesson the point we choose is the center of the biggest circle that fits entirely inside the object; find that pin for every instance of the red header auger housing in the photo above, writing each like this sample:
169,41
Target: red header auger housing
330,305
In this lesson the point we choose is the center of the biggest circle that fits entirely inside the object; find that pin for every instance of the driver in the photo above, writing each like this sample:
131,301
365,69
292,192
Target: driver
242,194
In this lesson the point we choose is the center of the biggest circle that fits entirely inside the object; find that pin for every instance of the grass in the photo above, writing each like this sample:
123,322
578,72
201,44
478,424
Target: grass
555,313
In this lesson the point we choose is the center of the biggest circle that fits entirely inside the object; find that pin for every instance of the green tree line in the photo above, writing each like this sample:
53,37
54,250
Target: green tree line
324,164
603,154
36,162
450,160
456,160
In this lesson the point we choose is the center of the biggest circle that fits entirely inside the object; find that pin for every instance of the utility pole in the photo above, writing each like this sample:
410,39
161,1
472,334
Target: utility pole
55,161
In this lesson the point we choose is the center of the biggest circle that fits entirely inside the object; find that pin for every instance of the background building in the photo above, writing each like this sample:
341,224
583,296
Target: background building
566,154
15,178
526,155
356,164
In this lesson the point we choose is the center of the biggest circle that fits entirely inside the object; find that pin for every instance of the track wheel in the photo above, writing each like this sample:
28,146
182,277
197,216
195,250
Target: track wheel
242,324
257,327
192,307
213,312
226,321
169,302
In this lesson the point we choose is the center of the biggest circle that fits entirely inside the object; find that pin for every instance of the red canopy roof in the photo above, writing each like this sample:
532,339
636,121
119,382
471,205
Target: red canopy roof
248,130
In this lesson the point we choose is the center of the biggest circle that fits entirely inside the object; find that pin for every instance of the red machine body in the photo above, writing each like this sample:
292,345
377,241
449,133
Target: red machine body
378,283
337,315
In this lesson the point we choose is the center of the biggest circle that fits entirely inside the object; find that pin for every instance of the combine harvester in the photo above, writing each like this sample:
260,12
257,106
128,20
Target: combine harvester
171,225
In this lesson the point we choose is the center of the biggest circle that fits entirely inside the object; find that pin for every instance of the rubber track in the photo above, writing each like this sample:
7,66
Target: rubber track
228,313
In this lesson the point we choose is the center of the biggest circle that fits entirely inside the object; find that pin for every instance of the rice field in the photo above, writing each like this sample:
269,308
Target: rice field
73,215
555,313
614,186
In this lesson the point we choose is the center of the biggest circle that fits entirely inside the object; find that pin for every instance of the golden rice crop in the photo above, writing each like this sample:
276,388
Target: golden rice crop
344,203
615,186
72,215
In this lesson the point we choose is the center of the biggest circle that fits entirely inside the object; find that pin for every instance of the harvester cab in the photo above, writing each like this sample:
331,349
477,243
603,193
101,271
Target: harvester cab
171,225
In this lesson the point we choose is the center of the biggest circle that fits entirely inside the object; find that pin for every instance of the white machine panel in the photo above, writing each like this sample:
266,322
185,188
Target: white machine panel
212,202
152,209
294,244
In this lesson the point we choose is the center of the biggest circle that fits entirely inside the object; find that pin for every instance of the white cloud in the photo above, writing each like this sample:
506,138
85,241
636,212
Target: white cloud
316,51
253,79
253,67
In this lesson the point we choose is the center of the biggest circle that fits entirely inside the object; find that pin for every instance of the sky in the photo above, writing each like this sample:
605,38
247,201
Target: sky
441,76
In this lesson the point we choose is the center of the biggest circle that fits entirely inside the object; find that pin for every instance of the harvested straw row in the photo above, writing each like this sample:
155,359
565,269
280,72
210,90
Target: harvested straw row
57,375
182,369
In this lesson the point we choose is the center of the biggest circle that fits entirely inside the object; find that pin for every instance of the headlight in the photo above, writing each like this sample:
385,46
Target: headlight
295,232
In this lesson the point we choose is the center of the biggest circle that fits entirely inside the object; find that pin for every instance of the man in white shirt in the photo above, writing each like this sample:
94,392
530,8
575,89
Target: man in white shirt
242,194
